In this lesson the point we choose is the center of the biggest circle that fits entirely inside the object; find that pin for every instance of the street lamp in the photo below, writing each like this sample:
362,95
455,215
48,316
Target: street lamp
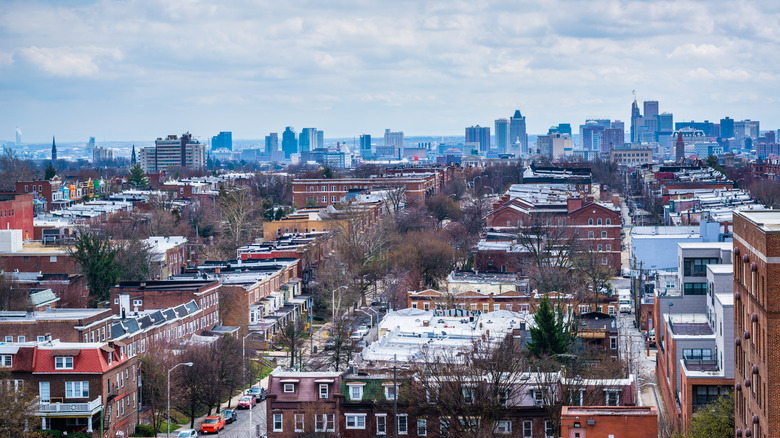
189,364
243,361
333,301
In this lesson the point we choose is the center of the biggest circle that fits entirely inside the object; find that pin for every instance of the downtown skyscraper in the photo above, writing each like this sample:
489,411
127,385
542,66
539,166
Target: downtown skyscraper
480,135
517,132
502,135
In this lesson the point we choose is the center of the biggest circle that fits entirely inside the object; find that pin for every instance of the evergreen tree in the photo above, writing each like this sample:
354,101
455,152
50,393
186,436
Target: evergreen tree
50,172
97,257
552,335
132,156
136,177
716,419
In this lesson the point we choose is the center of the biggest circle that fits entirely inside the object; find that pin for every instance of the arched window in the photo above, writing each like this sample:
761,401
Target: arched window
590,221
599,221
609,221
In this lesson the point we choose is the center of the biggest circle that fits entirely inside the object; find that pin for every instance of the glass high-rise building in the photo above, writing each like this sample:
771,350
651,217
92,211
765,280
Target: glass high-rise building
271,142
517,131
365,145
223,140
479,134
502,135
289,142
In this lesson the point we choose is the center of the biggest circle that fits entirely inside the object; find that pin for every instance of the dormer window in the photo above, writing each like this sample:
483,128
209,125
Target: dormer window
63,363
289,387
6,361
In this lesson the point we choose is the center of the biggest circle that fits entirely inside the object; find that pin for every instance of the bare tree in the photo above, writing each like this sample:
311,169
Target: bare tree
338,337
291,337
155,362
481,385
550,249
395,198
242,218
12,295
13,169
593,272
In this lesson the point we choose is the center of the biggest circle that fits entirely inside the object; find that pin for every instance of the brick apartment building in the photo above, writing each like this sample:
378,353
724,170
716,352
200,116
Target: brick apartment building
757,322
604,422
596,226
16,213
169,255
324,192
130,296
66,325
77,384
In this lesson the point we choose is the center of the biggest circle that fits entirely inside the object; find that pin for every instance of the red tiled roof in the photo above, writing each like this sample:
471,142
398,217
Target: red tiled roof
89,360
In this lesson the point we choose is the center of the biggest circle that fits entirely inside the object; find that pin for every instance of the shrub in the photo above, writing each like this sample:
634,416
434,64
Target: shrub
49,433
144,430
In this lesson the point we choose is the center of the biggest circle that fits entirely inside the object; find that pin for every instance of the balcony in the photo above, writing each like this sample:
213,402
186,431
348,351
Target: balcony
57,409
701,364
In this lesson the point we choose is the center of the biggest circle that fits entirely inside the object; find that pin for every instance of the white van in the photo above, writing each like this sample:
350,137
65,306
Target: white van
624,300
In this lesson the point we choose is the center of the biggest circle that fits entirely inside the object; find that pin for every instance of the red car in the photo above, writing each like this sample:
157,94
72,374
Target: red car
247,402
213,424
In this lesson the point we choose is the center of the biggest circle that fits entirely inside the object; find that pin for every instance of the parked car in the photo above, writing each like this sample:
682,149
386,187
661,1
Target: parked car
213,424
259,392
187,433
330,344
247,402
231,415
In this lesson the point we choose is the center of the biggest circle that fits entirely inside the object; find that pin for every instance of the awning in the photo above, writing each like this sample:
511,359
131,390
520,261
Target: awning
9,349
289,381
106,348
324,380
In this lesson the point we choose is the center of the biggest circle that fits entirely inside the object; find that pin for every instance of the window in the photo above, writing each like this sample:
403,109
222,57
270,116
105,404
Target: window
63,363
324,423
697,353
403,425
390,392
324,199
538,397
613,343
590,235
496,307
381,424
697,267
528,428
468,394
278,422
299,422
289,387
598,222
612,397
548,426
504,426
323,390
590,221
584,308
604,261
332,199
603,234
598,247
609,247
356,421
41,338
695,289
611,310
560,222
9,339
609,221
422,427
355,392
6,361
138,303
76,389
703,395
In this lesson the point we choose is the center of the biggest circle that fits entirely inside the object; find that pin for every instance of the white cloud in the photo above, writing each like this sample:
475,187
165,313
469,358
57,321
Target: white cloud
701,50
67,61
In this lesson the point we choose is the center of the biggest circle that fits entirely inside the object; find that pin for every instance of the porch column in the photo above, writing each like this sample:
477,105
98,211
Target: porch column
89,424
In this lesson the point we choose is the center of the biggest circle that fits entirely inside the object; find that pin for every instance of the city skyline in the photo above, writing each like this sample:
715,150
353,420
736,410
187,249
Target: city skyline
136,70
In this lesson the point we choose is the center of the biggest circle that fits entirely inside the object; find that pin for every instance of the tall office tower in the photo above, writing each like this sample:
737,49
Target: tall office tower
651,109
517,131
756,316
91,143
591,135
396,140
617,124
18,136
636,118
679,148
502,135
365,145
53,149
223,140
666,122
307,140
271,142
289,142
612,138
479,134
746,129
770,137
564,128
320,139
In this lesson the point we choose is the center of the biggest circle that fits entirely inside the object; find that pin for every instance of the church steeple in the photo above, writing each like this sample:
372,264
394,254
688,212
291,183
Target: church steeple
53,149
132,156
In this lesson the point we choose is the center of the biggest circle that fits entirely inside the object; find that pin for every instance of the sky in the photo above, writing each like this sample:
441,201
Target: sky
137,69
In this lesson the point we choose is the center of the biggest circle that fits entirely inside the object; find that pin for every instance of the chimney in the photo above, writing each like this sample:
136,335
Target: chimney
573,204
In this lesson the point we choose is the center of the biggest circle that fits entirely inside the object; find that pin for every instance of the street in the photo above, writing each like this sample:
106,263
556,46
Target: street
240,428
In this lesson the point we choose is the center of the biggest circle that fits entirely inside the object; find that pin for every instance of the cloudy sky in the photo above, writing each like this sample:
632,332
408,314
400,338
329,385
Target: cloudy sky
138,69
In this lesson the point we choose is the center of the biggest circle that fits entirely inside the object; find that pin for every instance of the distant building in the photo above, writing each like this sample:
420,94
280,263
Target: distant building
679,148
271,142
517,131
173,151
18,136
289,142
53,149
223,140
727,128
632,157
636,117
395,140
554,145
102,155
365,145
307,140
746,129
479,134
91,143
502,135
612,138
651,109
606,421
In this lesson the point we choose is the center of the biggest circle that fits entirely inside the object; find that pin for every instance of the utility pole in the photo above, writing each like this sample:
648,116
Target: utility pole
395,396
